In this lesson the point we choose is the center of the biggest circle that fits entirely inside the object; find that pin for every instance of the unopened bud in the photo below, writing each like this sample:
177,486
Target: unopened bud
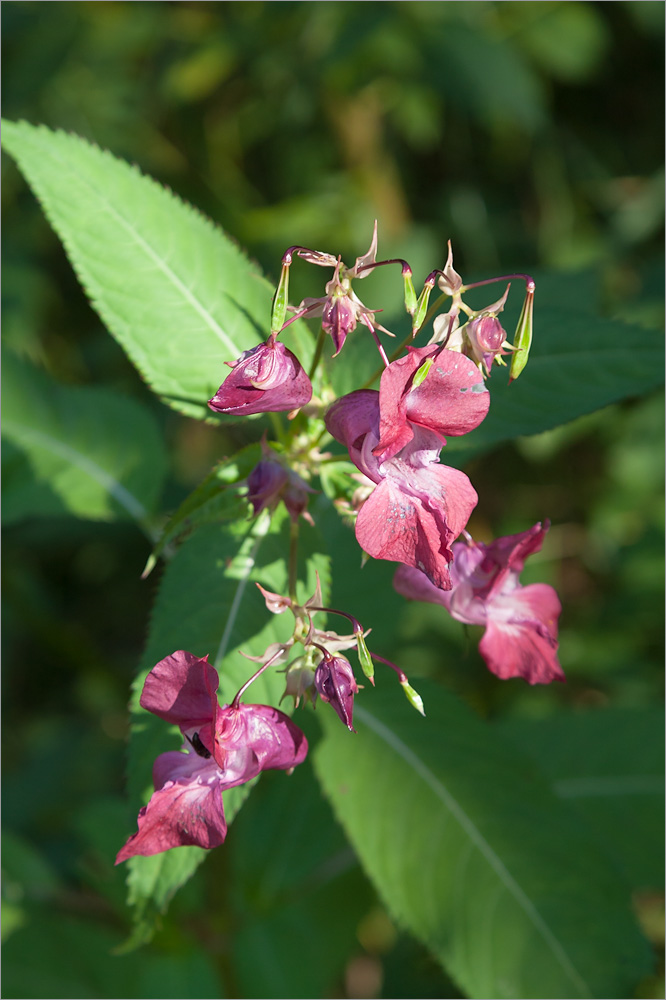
523,336
364,658
280,301
413,697
410,291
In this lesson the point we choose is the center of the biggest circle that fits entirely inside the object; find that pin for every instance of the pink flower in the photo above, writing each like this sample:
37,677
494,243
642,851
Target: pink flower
450,399
520,638
224,747
266,378
418,506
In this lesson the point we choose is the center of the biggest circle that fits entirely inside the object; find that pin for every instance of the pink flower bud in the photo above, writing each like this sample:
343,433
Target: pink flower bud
334,680
267,378
339,318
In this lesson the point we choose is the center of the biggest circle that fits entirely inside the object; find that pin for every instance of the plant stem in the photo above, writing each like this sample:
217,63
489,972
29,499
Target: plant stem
293,560
317,354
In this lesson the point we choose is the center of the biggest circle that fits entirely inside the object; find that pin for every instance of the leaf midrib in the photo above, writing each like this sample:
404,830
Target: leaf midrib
477,838
20,433
143,244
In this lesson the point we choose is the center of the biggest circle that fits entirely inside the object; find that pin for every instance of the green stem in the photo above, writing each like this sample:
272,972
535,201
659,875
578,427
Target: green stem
317,354
293,560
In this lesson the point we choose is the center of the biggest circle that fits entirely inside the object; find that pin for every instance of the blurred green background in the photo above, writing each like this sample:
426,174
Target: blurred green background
531,134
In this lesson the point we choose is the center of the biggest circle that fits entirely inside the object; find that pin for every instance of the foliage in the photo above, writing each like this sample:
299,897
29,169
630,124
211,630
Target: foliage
507,830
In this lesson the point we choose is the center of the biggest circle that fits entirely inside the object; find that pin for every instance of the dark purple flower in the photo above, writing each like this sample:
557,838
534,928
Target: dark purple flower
225,746
520,638
267,378
335,683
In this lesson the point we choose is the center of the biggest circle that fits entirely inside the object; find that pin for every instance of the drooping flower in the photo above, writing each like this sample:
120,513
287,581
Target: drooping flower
267,378
520,638
335,683
271,482
225,746
340,308
394,436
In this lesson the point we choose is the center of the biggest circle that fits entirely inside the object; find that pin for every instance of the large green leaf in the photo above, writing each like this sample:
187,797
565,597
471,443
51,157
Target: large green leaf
71,450
609,765
578,363
308,888
474,854
178,294
208,604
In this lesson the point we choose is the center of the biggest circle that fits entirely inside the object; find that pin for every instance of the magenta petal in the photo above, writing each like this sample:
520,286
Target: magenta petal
186,810
353,415
452,399
181,689
393,524
267,378
267,737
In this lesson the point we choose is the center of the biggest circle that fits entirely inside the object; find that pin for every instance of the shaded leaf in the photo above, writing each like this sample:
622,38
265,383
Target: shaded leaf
76,450
609,766
211,501
473,853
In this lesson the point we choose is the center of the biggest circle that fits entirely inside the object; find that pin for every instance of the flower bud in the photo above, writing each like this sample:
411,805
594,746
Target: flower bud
486,336
300,681
265,484
335,682
266,378
338,318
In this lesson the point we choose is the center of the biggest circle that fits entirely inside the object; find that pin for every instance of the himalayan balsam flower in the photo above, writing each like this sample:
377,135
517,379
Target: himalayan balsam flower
520,638
394,436
224,747
267,378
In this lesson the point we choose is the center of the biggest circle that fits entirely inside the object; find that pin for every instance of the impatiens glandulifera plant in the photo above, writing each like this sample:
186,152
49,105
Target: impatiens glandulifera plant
465,841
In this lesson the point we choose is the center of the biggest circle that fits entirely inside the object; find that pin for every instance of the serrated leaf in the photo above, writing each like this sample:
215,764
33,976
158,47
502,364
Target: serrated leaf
208,604
76,450
609,766
212,501
306,889
578,363
173,289
475,855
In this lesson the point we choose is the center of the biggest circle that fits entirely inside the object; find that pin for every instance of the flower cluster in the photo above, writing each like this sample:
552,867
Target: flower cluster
409,508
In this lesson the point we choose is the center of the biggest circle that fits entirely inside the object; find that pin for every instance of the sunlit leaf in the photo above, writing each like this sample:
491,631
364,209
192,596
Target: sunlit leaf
173,289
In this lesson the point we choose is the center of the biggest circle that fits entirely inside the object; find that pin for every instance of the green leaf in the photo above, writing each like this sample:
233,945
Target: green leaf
578,363
208,604
609,766
308,888
174,290
475,855
73,450
212,501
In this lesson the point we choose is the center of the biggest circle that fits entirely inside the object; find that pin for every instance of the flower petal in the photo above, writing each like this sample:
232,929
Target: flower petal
451,400
186,809
267,738
181,689
268,378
